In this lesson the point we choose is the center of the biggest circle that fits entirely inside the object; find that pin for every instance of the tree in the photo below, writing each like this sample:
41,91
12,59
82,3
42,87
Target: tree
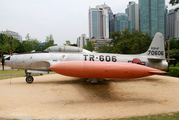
68,43
74,45
174,53
90,46
174,2
30,44
116,37
5,41
173,44
49,41
105,48
127,43
177,44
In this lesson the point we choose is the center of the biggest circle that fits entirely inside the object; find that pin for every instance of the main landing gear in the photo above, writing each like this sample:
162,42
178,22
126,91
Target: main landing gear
29,79
94,80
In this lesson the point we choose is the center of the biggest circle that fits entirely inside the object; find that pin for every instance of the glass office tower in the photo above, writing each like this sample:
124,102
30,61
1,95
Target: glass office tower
100,22
132,11
152,16
173,24
121,22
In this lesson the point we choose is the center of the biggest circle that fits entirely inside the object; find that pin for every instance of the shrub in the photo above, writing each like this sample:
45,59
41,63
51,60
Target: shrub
171,65
177,65
174,71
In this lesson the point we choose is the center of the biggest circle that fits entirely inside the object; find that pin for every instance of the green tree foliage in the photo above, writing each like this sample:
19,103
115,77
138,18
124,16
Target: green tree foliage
174,71
74,45
177,65
174,53
90,46
29,45
49,41
105,48
174,2
116,36
5,43
173,44
177,44
127,43
68,43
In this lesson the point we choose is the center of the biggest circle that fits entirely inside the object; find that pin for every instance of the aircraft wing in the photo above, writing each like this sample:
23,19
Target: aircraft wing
37,71
41,67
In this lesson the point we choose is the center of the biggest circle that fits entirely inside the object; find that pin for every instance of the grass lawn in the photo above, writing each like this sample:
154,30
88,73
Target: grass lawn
7,74
171,116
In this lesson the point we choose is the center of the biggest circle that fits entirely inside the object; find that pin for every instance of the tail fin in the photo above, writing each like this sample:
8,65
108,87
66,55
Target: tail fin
157,49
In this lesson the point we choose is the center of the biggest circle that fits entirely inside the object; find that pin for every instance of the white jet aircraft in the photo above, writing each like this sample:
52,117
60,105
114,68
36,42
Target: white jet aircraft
40,62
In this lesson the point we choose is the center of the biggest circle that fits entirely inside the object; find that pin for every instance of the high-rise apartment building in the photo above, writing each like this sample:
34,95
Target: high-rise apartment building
121,22
151,16
100,22
165,22
81,41
111,18
173,24
132,11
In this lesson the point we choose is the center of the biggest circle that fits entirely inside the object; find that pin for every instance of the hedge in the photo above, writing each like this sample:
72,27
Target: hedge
174,71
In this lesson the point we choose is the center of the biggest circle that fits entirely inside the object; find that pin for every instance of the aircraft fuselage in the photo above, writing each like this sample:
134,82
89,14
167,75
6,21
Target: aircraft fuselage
42,61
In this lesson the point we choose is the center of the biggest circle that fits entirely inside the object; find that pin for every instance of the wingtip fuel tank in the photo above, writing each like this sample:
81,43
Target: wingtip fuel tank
91,69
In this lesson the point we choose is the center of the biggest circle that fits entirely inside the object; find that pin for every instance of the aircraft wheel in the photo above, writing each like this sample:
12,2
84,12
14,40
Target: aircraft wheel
29,79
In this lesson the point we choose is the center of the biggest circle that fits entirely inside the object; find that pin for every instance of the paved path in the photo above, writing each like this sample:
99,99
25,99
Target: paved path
59,97
5,67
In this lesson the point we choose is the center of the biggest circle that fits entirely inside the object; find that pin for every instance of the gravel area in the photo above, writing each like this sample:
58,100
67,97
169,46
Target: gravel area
59,97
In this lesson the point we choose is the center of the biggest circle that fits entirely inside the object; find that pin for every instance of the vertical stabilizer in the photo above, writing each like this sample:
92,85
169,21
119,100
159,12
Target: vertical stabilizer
157,48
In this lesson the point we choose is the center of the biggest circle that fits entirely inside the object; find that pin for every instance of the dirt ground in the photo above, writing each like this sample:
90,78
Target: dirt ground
59,97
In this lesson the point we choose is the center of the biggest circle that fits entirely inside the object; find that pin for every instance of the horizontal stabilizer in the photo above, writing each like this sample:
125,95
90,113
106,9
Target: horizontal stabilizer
155,59
159,59
37,71
170,59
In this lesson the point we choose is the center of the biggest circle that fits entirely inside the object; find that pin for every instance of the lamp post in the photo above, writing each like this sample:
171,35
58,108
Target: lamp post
2,60
168,49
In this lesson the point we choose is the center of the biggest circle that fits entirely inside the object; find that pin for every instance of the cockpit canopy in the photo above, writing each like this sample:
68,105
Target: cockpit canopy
65,49
7,57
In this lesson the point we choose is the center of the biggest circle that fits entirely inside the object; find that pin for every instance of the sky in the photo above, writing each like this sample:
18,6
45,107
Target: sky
63,19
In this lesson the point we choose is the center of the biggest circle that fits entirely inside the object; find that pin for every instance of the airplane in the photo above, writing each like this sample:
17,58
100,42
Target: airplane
41,62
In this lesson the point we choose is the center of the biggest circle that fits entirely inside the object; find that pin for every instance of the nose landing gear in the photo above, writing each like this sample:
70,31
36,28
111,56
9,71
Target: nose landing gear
29,79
